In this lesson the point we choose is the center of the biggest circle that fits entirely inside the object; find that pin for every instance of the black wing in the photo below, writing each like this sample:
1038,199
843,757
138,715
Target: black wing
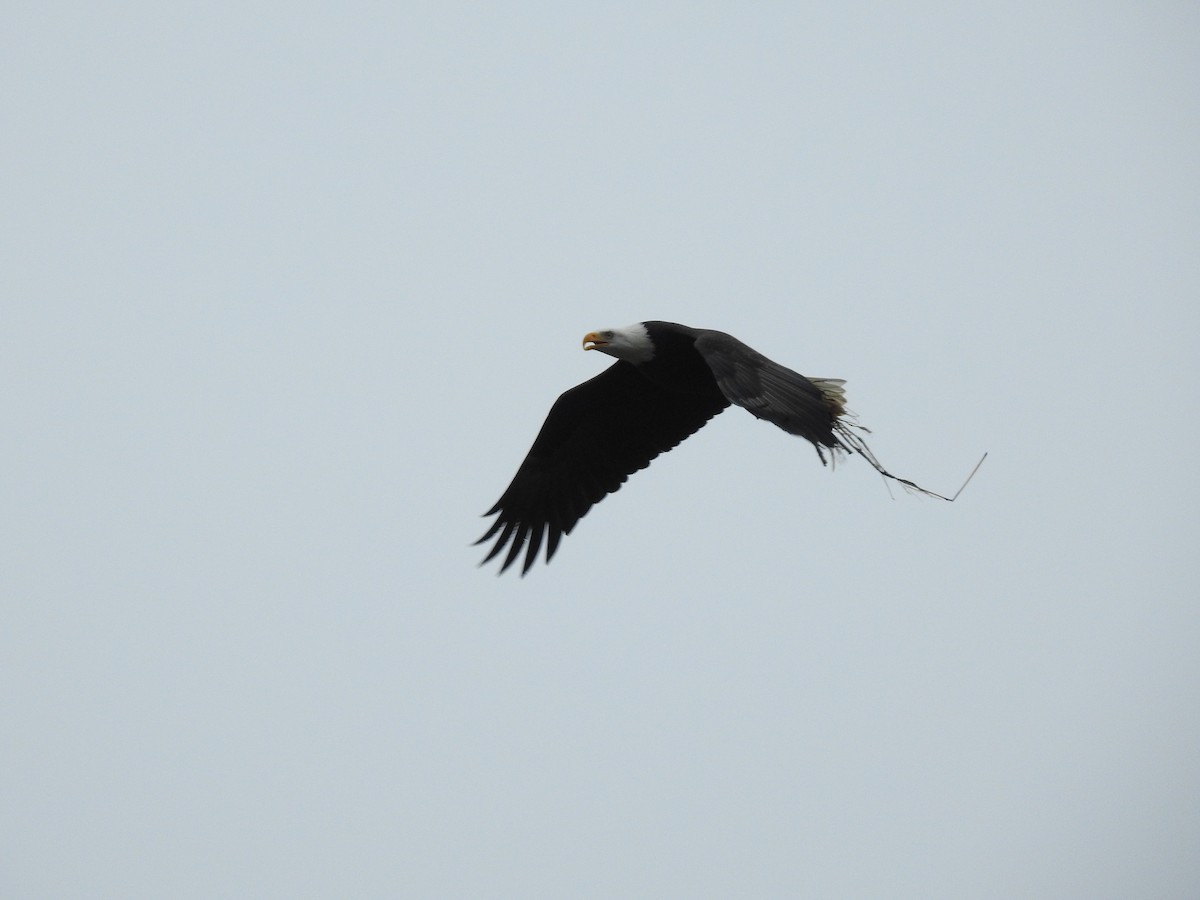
596,435
801,406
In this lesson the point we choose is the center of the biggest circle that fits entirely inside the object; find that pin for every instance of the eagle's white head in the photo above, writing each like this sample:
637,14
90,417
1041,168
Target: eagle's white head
632,343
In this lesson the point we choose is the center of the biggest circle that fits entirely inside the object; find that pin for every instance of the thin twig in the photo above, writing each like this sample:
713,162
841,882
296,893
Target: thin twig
853,443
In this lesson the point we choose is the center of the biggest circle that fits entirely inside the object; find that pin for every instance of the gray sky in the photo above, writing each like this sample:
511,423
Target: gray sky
287,292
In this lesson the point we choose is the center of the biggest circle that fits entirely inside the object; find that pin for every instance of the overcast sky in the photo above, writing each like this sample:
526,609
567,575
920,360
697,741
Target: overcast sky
287,291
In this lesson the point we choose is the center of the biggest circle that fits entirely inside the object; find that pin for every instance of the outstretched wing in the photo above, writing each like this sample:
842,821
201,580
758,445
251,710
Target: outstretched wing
596,435
801,406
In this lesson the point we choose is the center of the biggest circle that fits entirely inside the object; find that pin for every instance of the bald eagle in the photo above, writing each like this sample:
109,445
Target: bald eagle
668,381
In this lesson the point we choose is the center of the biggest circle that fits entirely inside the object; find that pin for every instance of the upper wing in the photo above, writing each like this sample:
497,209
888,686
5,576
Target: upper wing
596,435
801,406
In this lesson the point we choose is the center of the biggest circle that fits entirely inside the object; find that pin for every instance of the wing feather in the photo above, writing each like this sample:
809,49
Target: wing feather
596,435
799,405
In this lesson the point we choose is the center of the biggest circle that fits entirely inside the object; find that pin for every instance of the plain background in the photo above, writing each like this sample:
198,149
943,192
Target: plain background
287,291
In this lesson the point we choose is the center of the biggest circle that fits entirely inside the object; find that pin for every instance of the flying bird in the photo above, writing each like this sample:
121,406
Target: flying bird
668,381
